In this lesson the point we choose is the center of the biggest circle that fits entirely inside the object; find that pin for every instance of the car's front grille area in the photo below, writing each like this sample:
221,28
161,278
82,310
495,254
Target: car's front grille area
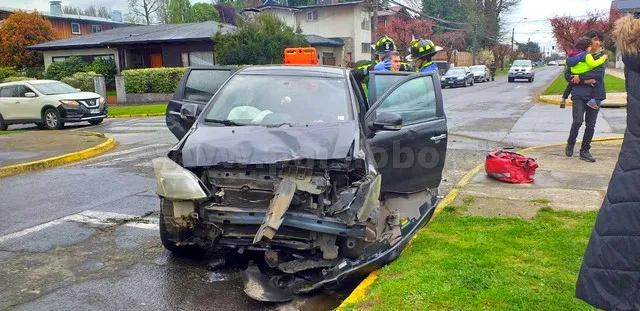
90,103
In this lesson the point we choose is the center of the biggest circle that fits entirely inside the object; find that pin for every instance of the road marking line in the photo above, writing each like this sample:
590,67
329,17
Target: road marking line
91,217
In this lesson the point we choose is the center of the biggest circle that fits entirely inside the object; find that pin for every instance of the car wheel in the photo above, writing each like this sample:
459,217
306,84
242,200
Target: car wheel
96,122
510,79
466,83
3,125
52,119
472,82
168,232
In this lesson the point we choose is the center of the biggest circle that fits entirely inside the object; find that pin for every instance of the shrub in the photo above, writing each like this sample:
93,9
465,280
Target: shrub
105,67
16,79
6,72
152,80
363,62
34,72
67,68
81,80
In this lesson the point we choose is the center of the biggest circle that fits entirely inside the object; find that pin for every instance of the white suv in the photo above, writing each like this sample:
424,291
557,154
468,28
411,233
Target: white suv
522,69
49,104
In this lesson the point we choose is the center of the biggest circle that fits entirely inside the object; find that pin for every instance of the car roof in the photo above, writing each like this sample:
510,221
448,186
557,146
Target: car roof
296,70
32,82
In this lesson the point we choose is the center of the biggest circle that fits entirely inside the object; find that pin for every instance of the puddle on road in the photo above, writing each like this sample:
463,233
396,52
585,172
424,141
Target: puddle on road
217,276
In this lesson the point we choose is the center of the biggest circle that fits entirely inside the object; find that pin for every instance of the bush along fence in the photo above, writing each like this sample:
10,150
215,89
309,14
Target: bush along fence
137,86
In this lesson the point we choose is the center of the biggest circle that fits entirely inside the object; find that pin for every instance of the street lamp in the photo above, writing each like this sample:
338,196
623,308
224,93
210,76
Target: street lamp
513,31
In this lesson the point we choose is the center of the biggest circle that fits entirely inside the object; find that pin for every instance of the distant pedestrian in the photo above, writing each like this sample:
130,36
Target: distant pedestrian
609,278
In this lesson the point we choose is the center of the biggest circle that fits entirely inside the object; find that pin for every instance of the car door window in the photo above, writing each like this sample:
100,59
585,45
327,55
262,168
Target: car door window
9,91
21,90
415,101
201,85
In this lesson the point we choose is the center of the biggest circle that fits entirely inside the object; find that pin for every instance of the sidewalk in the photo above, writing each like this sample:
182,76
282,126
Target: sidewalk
30,146
497,242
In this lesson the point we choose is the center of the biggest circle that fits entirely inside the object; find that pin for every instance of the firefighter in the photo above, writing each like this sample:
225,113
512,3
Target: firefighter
422,51
383,47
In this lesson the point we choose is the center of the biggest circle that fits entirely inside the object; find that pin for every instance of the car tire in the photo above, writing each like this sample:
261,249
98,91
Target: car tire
52,119
96,122
510,80
3,125
166,235
473,82
466,83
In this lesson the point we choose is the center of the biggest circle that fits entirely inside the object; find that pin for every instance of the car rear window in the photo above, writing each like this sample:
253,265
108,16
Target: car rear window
202,84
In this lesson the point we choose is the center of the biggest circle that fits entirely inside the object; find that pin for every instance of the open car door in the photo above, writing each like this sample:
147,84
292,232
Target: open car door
197,86
410,156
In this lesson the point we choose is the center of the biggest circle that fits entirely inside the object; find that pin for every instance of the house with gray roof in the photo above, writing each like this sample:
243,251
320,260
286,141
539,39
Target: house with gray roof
167,45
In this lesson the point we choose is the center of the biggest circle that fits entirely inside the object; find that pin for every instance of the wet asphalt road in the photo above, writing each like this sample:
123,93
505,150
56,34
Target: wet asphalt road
84,236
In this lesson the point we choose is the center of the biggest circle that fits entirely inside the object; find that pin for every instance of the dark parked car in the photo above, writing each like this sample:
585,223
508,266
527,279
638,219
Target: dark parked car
457,76
295,164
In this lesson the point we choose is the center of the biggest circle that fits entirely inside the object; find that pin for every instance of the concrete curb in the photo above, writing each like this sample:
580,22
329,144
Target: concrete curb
59,160
360,291
139,115
570,103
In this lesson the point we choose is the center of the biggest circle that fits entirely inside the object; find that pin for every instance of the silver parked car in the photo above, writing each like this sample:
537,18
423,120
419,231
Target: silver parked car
480,73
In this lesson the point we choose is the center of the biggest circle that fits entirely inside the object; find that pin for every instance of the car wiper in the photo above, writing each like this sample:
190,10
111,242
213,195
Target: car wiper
225,122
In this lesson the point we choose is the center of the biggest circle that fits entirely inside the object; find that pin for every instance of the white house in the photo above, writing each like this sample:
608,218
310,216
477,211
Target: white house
327,24
626,7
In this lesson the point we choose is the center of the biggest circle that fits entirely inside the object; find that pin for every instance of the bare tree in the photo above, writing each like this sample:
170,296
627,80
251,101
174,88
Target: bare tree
67,9
103,12
162,14
145,10
90,11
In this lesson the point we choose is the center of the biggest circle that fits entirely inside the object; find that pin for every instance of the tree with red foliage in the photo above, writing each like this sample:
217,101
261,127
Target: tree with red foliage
401,32
500,51
449,41
567,29
22,29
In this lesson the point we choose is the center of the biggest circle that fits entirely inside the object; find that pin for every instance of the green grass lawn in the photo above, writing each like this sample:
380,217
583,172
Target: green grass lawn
461,262
611,84
139,109
112,93
11,132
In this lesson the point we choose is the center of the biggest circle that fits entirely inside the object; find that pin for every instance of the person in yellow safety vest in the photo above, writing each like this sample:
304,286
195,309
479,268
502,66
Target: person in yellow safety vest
422,51
382,48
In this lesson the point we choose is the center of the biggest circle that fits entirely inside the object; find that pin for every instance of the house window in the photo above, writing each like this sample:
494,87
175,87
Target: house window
96,28
312,15
75,28
58,59
195,59
366,47
365,22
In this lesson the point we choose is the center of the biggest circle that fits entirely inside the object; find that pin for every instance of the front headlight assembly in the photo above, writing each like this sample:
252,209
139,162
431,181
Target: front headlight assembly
176,182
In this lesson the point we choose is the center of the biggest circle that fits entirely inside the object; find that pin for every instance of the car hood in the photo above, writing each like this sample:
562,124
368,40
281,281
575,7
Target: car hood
213,145
454,75
75,96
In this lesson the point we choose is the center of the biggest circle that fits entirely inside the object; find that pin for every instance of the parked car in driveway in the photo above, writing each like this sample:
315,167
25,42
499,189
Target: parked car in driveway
522,69
49,104
481,73
296,165
457,76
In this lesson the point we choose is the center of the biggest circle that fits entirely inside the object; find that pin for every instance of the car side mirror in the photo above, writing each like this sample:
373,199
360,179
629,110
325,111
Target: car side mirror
189,111
30,94
386,121
79,90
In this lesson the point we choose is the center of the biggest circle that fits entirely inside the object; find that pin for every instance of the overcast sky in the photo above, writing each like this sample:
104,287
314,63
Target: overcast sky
537,13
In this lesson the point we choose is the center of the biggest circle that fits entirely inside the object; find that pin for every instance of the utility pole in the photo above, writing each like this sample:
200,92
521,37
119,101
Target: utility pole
473,51
374,27
513,32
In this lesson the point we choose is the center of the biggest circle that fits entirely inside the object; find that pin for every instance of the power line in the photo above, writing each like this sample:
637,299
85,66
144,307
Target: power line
427,16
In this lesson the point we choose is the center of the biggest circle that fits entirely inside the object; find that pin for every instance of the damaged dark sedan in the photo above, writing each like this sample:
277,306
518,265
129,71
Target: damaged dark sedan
293,162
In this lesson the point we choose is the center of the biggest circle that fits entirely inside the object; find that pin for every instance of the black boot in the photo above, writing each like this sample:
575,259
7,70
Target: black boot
569,150
586,156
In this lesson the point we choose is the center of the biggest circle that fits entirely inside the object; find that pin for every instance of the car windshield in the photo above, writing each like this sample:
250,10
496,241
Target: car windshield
477,68
274,100
456,71
522,63
54,88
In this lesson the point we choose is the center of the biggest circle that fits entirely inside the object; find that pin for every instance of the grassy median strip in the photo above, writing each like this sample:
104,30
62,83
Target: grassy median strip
138,109
462,262
612,84
11,132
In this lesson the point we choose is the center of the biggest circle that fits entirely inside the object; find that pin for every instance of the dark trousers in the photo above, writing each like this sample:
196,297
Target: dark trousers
582,113
567,91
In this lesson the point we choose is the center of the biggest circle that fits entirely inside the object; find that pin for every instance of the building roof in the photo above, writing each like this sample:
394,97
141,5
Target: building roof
273,4
72,17
626,5
140,34
315,40
393,10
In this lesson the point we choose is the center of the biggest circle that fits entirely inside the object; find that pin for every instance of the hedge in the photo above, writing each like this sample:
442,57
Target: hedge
16,79
152,80
6,72
81,80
